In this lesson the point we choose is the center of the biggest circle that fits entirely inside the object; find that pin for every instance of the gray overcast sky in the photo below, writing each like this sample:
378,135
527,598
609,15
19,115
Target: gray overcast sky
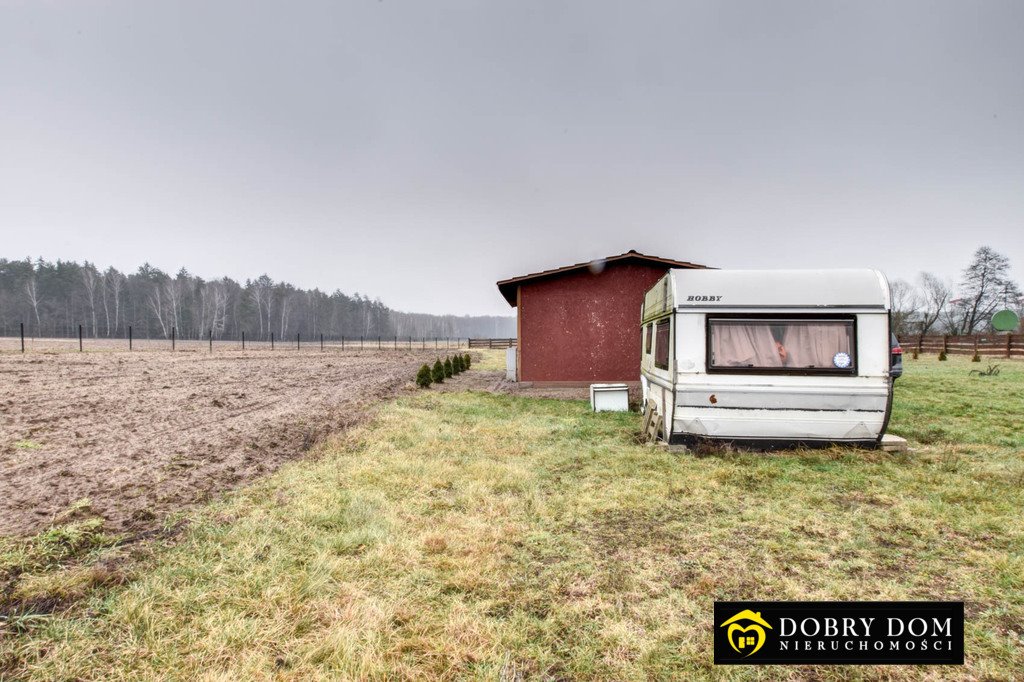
420,151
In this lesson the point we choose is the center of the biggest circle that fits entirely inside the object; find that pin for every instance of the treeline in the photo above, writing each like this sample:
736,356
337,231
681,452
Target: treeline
419,325
933,305
52,299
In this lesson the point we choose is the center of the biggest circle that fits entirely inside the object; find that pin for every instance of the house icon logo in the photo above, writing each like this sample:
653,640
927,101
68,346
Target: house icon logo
746,639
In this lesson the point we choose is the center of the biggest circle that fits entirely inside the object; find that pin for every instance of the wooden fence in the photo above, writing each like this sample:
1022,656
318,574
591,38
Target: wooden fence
493,343
1000,345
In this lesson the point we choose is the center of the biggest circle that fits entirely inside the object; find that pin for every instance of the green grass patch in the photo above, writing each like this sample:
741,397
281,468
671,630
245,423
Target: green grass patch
943,403
470,535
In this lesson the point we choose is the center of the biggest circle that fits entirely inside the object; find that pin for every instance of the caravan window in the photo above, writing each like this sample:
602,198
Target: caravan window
648,334
661,345
779,345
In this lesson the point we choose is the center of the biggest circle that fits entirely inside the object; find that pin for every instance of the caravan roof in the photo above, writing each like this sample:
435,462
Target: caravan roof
768,289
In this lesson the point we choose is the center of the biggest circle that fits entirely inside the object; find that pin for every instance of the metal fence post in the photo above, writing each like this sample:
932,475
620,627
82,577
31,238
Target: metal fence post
22,324
173,339
211,340
271,340
298,341
79,338
243,340
129,338
321,343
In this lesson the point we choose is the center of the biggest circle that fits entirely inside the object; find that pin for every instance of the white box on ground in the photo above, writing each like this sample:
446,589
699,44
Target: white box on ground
510,364
609,397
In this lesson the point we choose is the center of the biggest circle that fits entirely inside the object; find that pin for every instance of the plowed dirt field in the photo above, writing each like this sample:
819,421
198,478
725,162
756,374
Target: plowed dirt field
142,434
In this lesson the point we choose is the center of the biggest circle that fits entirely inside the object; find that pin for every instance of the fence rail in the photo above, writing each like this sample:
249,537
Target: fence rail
1000,345
129,341
493,343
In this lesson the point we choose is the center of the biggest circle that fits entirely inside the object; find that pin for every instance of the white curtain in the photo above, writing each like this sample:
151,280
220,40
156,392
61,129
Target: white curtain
744,345
815,345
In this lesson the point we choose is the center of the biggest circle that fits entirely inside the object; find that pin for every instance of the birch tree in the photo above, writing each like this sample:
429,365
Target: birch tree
32,291
89,280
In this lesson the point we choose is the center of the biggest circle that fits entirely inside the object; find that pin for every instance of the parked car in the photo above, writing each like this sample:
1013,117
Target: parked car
896,358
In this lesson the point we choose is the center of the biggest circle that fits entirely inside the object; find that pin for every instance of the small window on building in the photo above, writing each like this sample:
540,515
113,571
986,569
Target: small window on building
782,345
648,335
661,344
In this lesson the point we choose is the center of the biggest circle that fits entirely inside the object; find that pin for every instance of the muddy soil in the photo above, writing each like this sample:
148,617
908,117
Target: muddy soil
143,434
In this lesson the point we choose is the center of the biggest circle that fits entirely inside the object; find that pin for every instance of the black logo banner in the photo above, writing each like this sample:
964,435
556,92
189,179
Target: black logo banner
908,633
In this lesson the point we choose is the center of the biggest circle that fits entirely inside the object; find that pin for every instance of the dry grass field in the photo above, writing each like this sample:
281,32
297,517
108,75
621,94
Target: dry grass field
474,535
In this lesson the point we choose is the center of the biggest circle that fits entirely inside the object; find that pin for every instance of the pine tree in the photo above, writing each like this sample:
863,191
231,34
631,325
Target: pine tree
466,362
423,377
457,364
447,368
437,374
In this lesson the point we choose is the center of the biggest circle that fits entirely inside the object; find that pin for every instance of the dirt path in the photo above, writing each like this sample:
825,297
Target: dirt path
142,434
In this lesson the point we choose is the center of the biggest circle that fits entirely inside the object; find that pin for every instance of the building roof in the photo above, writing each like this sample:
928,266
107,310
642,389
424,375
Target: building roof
508,287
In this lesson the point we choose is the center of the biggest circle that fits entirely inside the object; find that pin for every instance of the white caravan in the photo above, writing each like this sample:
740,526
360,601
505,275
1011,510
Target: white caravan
767,358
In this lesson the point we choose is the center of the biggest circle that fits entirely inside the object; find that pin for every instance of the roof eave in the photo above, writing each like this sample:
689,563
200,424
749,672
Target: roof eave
507,287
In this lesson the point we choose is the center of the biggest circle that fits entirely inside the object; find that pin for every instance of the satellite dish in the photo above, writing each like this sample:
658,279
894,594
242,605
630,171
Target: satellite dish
1005,321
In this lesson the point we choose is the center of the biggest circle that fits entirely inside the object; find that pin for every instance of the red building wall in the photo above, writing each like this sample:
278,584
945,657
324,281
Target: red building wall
582,327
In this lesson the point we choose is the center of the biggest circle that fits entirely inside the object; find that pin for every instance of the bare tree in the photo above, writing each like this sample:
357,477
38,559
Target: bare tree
172,292
935,295
220,308
103,299
285,307
262,295
114,281
213,308
986,286
256,294
89,281
32,291
157,306
905,306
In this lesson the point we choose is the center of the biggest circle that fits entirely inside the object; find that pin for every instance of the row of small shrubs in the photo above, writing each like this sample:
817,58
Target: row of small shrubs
451,366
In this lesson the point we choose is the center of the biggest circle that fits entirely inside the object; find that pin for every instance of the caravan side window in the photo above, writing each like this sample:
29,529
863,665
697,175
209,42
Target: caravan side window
648,335
782,346
661,344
